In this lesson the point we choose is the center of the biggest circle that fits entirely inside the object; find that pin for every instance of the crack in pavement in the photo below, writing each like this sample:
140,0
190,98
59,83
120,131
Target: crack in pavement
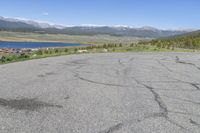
167,68
163,108
113,128
184,100
100,83
161,81
194,123
123,63
161,104
182,62
195,86
183,113
187,63
76,62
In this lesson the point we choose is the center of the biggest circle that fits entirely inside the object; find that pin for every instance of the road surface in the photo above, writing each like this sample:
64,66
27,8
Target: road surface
102,93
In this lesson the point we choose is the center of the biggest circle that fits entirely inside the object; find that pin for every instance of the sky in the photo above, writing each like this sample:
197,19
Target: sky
164,14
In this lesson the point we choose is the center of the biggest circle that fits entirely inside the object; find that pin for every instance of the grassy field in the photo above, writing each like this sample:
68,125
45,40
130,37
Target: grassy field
110,48
36,37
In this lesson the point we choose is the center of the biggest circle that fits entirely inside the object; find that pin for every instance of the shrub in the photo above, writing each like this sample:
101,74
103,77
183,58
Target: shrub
39,52
56,51
75,50
46,51
24,56
66,50
3,59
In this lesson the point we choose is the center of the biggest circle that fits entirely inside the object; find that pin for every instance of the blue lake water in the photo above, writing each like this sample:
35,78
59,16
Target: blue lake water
19,45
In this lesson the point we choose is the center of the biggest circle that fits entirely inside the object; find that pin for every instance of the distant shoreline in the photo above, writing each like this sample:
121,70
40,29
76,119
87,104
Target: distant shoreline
42,43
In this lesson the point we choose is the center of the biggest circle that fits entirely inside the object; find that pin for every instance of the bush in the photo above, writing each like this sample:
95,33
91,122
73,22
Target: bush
50,52
3,59
75,50
46,51
39,52
24,56
104,46
56,51
66,50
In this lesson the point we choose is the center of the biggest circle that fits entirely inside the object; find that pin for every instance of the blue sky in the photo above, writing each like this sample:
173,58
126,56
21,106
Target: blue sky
165,14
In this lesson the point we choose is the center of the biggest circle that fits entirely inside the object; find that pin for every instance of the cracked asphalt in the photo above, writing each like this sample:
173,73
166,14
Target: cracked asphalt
102,93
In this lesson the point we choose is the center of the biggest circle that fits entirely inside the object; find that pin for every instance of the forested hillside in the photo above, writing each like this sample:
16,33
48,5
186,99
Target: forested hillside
190,40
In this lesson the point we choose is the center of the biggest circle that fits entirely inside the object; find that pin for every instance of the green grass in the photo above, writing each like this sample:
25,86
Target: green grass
92,49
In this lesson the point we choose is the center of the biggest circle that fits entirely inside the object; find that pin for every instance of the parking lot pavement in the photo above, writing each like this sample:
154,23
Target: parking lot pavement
102,93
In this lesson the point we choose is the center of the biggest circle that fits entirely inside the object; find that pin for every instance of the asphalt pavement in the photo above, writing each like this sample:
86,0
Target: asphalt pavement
102,93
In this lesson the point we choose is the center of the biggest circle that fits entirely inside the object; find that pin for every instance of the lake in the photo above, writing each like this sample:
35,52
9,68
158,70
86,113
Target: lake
19,45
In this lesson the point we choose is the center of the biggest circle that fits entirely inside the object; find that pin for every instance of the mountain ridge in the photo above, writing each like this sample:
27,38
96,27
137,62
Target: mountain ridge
25,25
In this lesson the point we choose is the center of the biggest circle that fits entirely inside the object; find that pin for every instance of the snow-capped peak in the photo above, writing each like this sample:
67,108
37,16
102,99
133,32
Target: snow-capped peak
36,23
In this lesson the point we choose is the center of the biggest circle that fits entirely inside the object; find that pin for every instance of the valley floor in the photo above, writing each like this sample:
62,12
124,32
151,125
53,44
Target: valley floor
36,37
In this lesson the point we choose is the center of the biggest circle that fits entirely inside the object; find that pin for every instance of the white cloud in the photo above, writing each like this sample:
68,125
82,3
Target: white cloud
45,13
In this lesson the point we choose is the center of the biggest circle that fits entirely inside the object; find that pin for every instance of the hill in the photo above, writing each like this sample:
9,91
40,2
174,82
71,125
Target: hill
188,40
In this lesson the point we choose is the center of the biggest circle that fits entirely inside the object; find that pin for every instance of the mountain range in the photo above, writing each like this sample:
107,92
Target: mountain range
24,25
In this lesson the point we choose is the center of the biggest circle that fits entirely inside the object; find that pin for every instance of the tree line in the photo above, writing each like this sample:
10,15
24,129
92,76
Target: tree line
190,41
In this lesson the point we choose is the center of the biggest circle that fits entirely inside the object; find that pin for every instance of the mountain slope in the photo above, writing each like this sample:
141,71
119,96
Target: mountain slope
189,40
14,25
36,24
10,24
120,31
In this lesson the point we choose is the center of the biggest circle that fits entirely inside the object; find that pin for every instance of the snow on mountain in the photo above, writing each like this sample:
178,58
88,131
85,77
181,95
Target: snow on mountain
35,23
